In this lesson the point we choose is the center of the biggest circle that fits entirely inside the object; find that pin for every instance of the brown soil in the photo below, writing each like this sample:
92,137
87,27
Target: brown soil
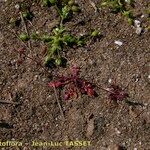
36,115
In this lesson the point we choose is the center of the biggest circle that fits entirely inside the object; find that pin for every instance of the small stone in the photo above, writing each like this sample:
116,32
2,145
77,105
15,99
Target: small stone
117,131
17,6
109,80
137,23
118,43
138,30
90,128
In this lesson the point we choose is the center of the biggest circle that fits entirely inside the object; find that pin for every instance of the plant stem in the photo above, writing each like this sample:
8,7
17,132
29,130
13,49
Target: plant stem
107,90
57,99
25,27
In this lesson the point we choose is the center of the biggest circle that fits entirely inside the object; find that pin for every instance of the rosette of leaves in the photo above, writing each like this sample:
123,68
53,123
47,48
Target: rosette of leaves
121,6
74,85
57,42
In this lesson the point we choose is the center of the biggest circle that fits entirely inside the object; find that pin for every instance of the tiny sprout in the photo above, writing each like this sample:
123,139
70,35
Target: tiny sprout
46,3
65,12
71,2
95,33
14,22
46,38
128,14
48,60
24,37
53,2
27,15
75,8
130,21
58,61
35,36
80,41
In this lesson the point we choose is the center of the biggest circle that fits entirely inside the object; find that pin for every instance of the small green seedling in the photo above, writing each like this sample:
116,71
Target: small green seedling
46,38
75,9
95,33
56,43
120,6
53,2
46,3
15,22
27,15
24,37
35,36
71,2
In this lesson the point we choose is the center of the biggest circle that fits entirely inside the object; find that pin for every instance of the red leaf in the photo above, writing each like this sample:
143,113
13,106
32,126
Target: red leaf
90,92
55,84
75,71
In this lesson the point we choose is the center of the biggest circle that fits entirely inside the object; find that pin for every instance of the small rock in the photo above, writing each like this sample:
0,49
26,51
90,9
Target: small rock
137,23
109,80
138,30
118,43
90,128
117,131
17,6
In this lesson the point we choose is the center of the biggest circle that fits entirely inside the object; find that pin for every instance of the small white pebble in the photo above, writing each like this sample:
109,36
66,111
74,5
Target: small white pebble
137,23
117,131
37,32
138,30
142,16
148,76
109,80
118,43
17,6
135,148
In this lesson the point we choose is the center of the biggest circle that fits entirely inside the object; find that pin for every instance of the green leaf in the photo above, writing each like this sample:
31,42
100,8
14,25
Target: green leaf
46,38
24,37
95,33
75,8
53,2
71,2
46,3
58,61
69,39
65,12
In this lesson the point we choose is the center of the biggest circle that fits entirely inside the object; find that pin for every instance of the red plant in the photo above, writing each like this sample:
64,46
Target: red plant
116,93
75,84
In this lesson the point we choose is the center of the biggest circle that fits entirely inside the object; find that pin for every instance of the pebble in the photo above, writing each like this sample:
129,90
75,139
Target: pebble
138,30
109,80
117,131
137,23
118,43
17,6
90,128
